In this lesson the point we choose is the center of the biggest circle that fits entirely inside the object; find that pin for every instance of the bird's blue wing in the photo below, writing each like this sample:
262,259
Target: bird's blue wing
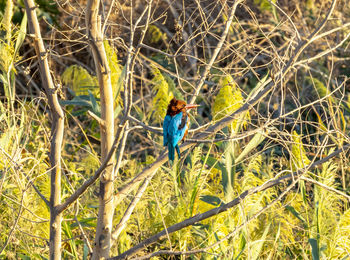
175,134
166,124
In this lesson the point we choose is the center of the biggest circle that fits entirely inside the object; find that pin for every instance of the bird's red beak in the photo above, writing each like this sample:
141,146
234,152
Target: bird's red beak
189,106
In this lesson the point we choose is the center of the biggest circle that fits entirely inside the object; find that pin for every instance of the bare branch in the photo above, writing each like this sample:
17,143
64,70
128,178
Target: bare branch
57,130
120,226
92,180
216,51
326,187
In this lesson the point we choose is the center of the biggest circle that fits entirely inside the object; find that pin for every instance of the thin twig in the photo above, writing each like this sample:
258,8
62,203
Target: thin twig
326,187
216,51
92,180
107,16
120,226
14,225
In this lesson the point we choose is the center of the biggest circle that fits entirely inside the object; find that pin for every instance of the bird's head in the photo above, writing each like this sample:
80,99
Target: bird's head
176,106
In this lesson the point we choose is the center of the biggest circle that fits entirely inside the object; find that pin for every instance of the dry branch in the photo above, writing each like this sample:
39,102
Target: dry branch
57,130
105,212
216,51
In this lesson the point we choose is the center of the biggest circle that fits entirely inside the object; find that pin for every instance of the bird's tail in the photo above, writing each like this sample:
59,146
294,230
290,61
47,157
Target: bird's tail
171,152
178,150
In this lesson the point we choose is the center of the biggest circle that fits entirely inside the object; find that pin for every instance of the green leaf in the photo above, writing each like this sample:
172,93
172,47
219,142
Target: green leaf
117,111
256,140
258,244
75,102
21,34
95,107
314,249
3,79
85,252
162,97
80,80
85,222
228,100
212,200
295,213
72,243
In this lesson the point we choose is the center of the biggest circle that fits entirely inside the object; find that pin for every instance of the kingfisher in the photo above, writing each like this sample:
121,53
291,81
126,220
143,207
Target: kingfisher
175,125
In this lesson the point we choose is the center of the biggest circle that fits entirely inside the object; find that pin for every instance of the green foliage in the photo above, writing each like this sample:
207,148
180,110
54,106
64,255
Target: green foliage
9,48
228,100
155,35
18,163
85,87
80,81
163,93
299,157
116,72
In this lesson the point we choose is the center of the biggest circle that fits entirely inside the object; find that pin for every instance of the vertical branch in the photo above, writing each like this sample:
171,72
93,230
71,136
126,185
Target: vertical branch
131,61
105,213
216,51
57,130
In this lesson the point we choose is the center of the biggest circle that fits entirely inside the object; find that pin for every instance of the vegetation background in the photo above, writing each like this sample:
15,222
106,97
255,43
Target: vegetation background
264,174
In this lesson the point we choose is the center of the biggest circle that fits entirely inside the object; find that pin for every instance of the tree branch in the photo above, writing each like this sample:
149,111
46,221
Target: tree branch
57,130
97,174
216,51
326,187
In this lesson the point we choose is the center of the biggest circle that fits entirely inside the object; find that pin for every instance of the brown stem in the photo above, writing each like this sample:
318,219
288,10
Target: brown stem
105,213
57,130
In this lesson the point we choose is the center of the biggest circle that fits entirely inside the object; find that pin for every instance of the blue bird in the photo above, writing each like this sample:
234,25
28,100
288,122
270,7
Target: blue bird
175,125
